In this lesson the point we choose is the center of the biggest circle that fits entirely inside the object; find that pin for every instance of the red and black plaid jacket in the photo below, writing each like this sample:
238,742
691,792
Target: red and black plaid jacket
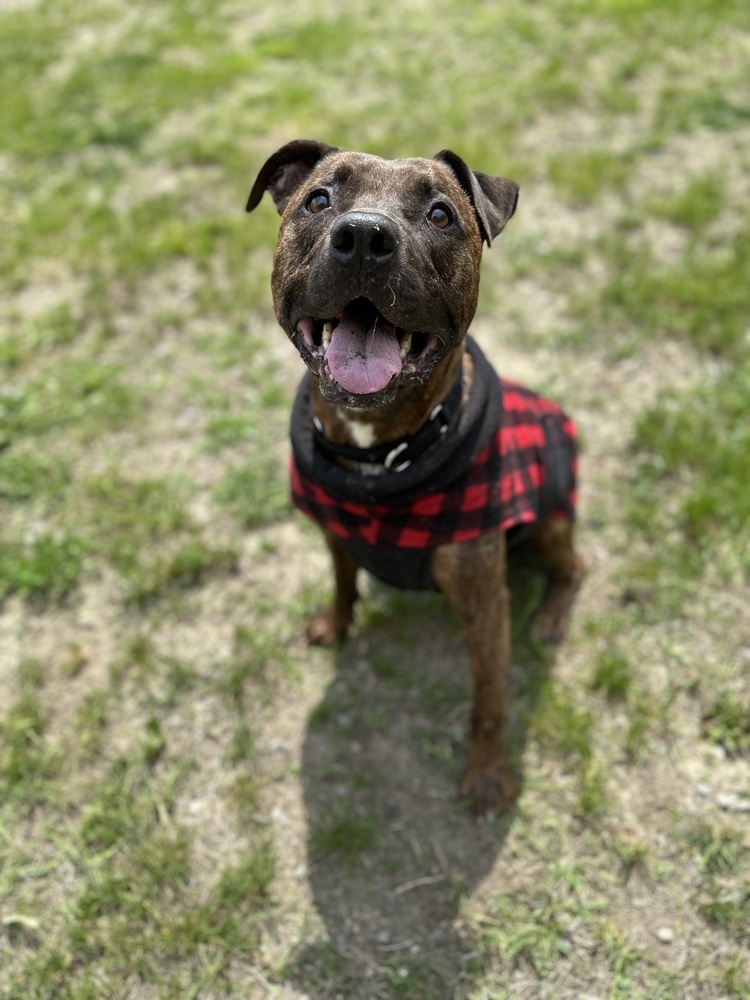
520,467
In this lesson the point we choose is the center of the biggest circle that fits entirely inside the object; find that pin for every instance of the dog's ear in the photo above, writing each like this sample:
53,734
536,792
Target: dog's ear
283,172
494,198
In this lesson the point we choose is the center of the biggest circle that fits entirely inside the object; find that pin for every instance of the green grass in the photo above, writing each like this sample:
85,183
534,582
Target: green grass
258,661
42,569
699,440
257,493
25,475
346,834
131,855
581,177
537,933
560,725
153,585
700,203
612,674
133,910
414,978
28,763
723,862
703,298
727,723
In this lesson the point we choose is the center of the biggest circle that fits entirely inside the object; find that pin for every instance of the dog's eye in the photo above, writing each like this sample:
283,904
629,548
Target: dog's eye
440,216
317,201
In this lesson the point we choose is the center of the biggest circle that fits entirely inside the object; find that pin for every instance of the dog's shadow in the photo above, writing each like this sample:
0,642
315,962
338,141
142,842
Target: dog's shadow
392,853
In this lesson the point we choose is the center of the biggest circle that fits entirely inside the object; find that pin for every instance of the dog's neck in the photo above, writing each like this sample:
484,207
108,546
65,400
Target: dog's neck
403,417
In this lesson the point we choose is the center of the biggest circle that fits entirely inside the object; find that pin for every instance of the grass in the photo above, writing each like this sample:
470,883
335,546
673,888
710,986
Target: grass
25,475
699,439
540,932
727,723
724,893
171,754
42,568
346,834
612,674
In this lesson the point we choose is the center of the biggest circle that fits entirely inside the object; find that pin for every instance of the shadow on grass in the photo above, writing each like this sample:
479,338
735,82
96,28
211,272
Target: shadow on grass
392,853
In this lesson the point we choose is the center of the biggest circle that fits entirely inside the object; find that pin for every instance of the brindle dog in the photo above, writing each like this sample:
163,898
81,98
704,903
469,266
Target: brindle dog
375,281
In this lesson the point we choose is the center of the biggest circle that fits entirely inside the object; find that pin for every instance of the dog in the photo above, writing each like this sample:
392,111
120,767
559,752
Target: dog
417,461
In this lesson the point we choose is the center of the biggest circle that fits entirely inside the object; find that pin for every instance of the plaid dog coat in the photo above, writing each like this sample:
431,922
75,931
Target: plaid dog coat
507,461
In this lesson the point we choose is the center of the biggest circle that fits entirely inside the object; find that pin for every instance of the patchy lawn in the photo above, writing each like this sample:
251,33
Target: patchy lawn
192,802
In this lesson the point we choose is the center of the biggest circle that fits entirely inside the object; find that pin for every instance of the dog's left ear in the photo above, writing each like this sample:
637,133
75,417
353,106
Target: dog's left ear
286,169
494,198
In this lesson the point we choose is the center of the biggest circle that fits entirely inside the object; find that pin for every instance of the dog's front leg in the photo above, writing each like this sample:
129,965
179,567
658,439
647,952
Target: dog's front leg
554,539
332,624
472,576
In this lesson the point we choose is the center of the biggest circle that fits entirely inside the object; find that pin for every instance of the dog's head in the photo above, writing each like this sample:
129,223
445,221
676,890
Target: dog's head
376,272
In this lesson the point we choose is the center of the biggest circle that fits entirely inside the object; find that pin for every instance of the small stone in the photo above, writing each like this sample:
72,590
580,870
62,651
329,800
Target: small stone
279,816
278,744
703,790
665,935
733,803
189,417
564,946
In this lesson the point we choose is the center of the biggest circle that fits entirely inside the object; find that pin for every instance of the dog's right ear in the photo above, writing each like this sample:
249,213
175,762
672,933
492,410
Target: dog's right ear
283,172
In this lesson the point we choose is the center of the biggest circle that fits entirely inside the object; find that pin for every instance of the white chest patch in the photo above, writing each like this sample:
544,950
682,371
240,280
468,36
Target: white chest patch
362,434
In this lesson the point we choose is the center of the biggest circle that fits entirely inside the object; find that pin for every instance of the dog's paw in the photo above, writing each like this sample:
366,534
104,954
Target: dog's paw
489,789
326,629
550,620
549,625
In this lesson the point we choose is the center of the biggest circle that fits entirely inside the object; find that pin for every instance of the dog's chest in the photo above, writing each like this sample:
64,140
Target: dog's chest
506,469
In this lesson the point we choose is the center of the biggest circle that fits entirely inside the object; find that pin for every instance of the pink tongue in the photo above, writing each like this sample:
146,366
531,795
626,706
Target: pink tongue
363,360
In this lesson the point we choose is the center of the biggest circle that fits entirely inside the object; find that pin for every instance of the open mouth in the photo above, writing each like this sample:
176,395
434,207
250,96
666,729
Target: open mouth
361,350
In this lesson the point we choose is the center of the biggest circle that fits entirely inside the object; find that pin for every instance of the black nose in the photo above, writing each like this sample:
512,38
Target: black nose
369,238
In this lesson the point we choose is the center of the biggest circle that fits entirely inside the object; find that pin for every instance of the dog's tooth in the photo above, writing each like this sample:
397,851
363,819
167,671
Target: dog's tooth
405,345
327,331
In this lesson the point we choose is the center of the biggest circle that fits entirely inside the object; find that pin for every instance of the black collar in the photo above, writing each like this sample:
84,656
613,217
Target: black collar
475,424
396,456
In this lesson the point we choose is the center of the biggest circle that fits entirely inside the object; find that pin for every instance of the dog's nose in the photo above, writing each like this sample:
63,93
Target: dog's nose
369,238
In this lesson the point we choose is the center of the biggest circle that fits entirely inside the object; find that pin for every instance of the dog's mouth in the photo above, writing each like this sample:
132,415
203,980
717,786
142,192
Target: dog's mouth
363,351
